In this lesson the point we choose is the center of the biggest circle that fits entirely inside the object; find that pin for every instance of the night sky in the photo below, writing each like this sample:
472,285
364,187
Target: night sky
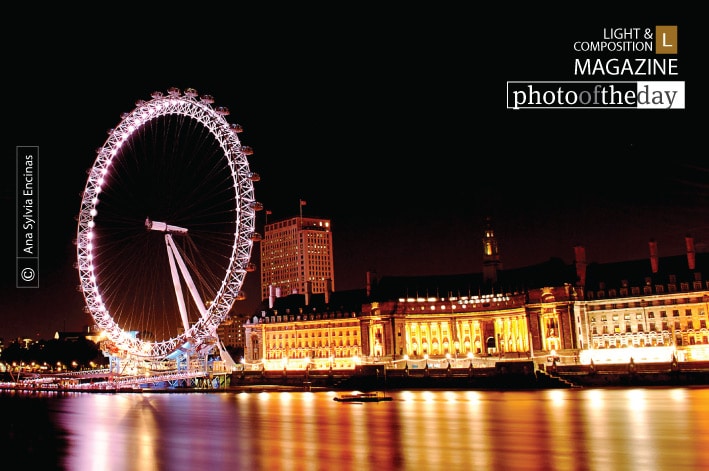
393,124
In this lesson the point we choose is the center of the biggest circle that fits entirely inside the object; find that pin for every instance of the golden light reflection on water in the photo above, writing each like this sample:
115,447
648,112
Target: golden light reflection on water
586,429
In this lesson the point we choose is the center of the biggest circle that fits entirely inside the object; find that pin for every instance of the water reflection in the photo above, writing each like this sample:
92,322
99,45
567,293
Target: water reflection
587,429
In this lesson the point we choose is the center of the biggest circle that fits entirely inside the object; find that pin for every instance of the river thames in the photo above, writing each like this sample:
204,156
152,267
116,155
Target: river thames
561,429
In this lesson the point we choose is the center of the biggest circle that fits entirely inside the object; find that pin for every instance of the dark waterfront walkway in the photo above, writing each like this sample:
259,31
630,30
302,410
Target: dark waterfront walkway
506,375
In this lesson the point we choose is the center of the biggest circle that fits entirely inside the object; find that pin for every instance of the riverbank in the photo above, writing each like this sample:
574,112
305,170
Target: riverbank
505,375
673,373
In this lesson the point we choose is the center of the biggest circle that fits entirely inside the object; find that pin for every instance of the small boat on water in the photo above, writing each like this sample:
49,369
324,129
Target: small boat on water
356,396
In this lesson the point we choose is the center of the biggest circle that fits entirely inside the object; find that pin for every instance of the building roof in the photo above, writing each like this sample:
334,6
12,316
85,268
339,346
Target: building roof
639,272
552,273
342,301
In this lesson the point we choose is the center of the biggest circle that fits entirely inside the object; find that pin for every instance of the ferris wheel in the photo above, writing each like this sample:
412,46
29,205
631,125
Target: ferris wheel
166,226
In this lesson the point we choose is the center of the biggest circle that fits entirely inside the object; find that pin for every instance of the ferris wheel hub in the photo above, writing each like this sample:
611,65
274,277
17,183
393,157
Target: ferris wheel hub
164,227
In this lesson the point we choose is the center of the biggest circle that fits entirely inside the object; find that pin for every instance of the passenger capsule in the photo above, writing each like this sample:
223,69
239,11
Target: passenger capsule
222,110
173,91
190,92
254,177
247,150
156,94
208,99
256,237
256,206
236,128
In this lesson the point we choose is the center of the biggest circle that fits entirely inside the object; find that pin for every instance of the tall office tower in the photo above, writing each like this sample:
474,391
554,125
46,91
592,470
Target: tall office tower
297,258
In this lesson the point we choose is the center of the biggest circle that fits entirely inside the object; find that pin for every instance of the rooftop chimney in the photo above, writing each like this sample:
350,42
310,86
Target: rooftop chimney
581,264
328,290
271,296
691,254
654,261
308,292
370,275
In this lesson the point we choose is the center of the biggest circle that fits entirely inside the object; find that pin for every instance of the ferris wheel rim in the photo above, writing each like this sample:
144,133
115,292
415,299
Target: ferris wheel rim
234,156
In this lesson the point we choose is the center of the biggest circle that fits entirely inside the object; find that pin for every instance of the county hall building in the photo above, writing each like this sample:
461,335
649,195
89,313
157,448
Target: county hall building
653,309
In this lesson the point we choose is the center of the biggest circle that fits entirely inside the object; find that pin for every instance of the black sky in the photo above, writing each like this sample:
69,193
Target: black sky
390,123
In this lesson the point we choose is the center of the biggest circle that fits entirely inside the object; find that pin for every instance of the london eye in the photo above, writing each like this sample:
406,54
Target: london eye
166,227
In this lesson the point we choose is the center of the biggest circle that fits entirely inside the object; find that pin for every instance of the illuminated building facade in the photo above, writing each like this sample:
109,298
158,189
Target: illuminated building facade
319,337
509,326
488,326
297,258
